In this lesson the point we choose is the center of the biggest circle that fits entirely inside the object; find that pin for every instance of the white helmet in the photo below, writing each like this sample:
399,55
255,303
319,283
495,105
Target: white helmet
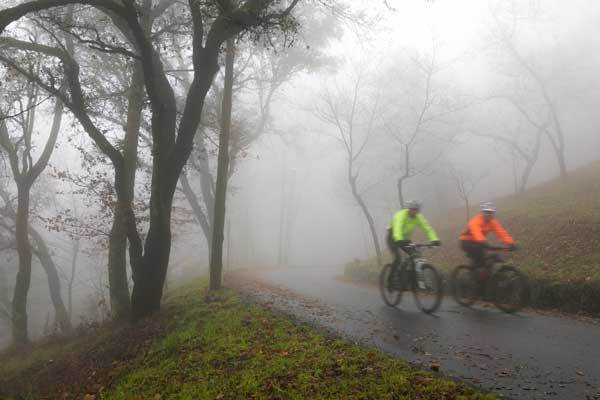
412,204
488,207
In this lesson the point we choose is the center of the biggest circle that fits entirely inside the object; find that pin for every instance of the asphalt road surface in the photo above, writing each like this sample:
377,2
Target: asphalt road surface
526,356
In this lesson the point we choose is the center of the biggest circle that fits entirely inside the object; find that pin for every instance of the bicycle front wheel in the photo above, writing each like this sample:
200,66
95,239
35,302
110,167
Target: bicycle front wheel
464,287
510,289
390,285
427,288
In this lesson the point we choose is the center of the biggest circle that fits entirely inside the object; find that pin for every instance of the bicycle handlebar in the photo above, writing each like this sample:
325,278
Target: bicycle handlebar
422,245
499,248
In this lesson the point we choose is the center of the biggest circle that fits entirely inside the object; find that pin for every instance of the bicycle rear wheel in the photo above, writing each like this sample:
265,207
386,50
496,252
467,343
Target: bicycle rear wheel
427,288
464,287
510,289
390,285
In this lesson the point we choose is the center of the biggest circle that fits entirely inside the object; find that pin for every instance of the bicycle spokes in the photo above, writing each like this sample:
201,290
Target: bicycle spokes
390,283
510,289
464,285
427,288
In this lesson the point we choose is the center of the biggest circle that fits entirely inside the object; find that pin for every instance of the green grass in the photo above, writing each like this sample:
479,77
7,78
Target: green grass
225,349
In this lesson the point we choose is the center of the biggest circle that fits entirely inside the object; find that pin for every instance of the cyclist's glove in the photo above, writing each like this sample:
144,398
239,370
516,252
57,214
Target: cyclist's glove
512,247
436,243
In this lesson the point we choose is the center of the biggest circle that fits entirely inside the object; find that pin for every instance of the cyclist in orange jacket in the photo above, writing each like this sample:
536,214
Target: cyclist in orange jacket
474,240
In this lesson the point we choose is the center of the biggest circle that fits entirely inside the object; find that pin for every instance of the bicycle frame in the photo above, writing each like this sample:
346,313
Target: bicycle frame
492,259
416,254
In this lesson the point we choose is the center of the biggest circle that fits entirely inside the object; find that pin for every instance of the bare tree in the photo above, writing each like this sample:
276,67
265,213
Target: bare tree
260,72
418,116
354,124
465,186
18,147
553,131
525,154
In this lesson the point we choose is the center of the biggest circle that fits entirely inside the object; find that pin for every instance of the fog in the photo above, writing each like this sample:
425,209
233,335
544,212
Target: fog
468,88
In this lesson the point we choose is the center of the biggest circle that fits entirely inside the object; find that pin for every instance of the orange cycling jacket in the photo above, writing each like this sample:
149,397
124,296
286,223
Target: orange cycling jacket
477,230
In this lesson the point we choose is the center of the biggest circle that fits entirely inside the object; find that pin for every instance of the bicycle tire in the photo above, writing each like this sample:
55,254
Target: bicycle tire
463,285
432,286
509,282
390,297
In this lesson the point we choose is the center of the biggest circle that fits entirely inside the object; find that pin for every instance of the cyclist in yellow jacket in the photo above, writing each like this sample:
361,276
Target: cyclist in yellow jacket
404,224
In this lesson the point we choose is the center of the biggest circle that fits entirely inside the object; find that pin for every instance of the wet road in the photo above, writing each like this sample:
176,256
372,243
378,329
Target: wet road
525,356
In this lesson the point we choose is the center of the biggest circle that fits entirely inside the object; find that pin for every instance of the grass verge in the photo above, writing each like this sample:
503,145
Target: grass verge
218,347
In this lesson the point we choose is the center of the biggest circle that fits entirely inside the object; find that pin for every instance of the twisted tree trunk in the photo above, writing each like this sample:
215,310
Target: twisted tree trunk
43,254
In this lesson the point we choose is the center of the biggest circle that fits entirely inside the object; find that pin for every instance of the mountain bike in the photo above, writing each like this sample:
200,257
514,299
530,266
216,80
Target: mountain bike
413,273
503,284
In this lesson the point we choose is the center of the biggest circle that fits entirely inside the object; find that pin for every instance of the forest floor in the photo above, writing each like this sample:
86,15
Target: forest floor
214,346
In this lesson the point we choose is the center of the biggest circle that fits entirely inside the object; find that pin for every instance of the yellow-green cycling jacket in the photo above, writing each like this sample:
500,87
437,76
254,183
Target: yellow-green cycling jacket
403,226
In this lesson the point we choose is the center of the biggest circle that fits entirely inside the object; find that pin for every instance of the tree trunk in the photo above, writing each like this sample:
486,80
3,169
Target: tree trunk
207,183
282,217
117,248
369,218
149,266
43,254
150,272
400,185
559,151
558,143
72,279
5,303
196,207
406,175
291,215
216,255
562,163
120,307
19,303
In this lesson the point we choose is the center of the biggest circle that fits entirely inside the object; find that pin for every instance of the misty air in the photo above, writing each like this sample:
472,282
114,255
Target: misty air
299,199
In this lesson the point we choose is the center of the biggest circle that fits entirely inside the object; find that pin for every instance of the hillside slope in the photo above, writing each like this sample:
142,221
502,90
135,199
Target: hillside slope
557,227
556,224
